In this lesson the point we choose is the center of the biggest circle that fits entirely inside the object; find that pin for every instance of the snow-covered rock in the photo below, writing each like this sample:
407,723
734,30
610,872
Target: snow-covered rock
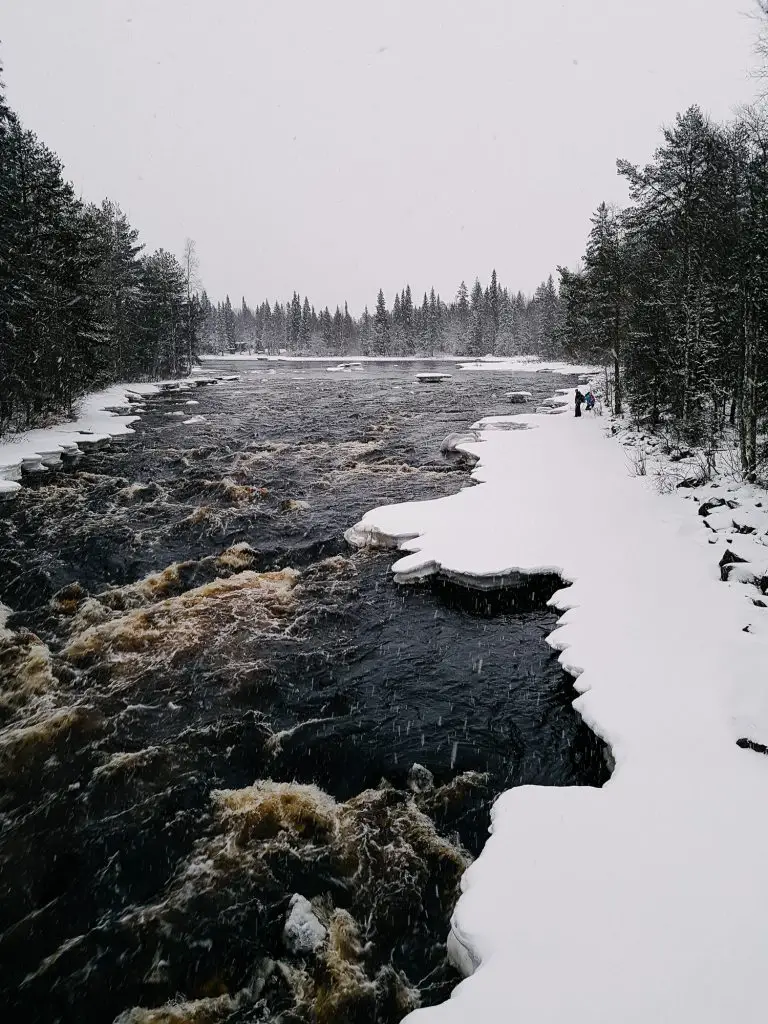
303,933
9,489
519,397
708,506
432,378
746,572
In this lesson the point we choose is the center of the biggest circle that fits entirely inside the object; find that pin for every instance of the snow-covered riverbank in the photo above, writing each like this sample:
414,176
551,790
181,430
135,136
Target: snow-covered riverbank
43,449
101,417
641,901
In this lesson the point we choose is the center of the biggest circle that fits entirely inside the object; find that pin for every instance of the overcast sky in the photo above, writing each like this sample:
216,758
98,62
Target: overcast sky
339,146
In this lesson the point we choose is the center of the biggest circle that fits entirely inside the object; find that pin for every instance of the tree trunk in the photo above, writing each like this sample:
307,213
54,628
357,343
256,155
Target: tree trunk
748,410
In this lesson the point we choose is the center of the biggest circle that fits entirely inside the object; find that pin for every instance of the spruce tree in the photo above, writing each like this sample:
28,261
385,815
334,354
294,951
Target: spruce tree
380,330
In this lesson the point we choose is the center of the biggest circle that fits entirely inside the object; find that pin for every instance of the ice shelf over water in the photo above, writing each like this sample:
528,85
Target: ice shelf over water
43,449
643,901
101,416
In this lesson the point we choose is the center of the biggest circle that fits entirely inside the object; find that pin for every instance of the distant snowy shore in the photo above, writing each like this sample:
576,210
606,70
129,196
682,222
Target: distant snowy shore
528,364
261,357
640,901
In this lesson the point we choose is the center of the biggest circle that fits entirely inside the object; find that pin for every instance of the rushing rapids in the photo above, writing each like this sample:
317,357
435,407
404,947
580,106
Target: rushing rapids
242,770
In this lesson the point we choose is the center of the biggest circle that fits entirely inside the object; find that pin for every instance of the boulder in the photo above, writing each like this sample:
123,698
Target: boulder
420,779
519,397
729,558
741,572
711,503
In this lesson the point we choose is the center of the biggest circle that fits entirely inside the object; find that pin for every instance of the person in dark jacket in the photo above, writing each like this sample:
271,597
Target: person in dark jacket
579,400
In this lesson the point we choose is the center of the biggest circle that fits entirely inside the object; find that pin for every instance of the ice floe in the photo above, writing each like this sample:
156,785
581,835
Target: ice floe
432,378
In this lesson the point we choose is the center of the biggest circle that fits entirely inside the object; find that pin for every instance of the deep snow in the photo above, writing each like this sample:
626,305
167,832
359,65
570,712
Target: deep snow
641,901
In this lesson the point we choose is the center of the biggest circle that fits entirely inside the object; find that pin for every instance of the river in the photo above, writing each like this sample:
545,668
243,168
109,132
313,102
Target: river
210,702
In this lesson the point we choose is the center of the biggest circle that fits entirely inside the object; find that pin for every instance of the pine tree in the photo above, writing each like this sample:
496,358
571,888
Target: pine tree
228,326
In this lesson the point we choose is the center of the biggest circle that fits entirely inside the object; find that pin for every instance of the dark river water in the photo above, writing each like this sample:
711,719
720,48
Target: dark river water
209,702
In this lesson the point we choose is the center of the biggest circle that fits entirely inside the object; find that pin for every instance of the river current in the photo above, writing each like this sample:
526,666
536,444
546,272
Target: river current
209,703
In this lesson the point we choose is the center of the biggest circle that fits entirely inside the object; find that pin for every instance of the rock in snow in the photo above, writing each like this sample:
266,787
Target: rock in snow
303,933
519,397
710,504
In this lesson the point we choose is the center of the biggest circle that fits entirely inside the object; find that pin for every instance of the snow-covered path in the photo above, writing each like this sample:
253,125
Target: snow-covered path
644,901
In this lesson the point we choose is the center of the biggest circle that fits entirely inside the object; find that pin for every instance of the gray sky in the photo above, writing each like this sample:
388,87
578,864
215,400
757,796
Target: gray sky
339,146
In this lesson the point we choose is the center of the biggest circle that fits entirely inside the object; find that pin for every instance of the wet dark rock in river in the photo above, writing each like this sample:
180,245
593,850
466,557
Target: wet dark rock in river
210,703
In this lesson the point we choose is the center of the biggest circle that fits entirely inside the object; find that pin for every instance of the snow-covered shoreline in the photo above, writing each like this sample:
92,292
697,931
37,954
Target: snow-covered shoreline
42,449
640,901
262,358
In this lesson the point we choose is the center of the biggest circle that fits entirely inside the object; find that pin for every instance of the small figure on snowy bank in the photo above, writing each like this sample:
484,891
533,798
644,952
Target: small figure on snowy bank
589,401
579,400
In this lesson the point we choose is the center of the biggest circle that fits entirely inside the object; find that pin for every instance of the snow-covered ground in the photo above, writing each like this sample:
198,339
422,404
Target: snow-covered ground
642,901
250,357
516,364
43,449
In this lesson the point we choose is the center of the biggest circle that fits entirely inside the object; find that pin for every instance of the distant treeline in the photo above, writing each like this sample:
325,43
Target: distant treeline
673,292
80,304
483,321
